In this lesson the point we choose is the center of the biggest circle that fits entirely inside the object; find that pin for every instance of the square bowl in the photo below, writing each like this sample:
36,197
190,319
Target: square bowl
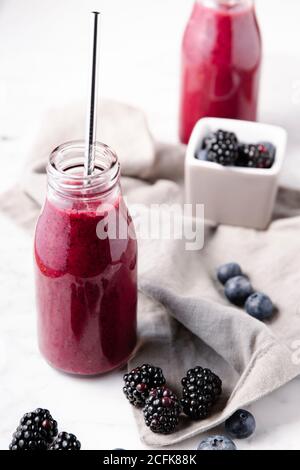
234,195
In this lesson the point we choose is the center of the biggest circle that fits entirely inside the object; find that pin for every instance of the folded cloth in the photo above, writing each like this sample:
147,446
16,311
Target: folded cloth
184,318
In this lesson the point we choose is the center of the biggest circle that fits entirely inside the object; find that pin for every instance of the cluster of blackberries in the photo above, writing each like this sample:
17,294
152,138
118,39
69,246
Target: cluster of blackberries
239,291
145,387
224,148
37,430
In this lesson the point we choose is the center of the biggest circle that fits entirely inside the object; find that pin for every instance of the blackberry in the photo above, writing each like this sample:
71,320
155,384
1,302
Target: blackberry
256,156
36,431
222,147
201,390
270,148
246,155
65,441
140,381
162,410
266,156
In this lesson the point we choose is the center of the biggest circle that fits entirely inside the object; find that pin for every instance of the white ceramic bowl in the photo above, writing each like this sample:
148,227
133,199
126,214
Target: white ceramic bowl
234,195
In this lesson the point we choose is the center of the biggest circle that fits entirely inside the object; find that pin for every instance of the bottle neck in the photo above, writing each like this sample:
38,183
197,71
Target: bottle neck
66,175
226,4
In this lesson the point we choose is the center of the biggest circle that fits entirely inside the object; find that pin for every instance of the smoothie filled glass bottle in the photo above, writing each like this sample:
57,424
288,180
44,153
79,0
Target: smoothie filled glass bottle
221,61
86,265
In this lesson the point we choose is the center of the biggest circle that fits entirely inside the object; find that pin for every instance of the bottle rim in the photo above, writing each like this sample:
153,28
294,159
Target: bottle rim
65,169
227,4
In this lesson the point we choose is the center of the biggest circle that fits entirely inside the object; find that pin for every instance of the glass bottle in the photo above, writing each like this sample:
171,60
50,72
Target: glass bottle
85,264
221,62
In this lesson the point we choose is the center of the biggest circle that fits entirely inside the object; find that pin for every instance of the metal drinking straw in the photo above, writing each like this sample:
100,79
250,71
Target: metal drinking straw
91,118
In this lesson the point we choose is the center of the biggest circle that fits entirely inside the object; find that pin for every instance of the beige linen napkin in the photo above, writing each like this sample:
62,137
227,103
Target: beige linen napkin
184,318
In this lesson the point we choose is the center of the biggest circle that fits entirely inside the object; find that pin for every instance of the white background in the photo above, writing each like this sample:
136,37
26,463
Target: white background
43,63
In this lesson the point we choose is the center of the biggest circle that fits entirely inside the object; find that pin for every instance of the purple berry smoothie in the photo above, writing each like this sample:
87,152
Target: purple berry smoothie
221,59
86,287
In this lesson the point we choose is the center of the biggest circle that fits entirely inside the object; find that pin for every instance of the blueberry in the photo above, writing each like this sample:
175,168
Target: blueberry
259,306
240,425
207,140
217,443
227,271
201,154
238,289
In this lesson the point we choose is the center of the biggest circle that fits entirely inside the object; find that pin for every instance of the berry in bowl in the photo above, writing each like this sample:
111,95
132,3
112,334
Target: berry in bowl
224,148
232,167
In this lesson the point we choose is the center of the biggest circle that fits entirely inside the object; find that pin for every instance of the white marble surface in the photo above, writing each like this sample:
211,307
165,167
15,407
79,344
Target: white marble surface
43,49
